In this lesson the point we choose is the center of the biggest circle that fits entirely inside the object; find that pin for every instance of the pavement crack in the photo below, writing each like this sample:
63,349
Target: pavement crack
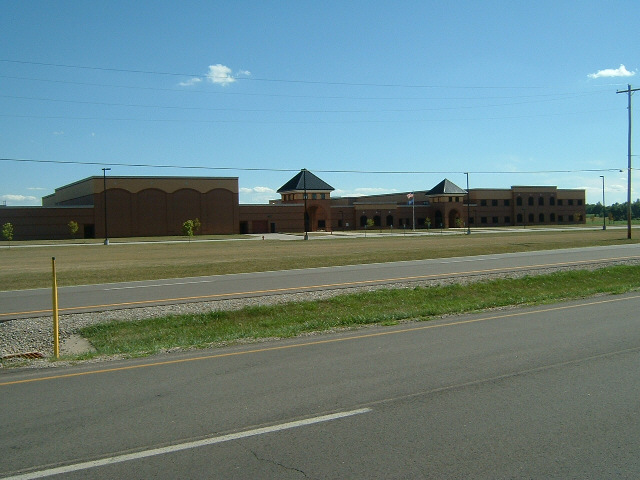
274,462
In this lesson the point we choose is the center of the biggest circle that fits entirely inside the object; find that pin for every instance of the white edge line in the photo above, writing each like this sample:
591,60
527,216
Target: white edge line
184,446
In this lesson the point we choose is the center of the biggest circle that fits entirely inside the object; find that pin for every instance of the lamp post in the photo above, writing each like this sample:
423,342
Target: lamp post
604,221
104,189
304,187
468,205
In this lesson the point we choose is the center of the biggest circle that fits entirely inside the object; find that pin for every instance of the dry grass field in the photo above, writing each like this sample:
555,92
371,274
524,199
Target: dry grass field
23,268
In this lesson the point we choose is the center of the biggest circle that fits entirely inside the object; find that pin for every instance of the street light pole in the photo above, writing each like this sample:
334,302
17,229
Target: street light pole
468,205
304,186
104,189
604,222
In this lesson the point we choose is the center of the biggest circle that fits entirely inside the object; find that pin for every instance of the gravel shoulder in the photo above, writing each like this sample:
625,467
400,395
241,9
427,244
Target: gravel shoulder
34,335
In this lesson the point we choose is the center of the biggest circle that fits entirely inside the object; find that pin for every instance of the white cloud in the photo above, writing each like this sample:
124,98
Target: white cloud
190,82
612,72
362,191
58,133
220,74
19,199
36,188
257,195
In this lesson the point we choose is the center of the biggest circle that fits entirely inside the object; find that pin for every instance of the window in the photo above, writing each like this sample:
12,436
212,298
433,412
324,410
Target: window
531,217
450,199
494,203
389,220
519,201
541,201
507,203
541,218
483,219
552,217
363,221
570,201
531,201
519,218
559,202
494,220
579,201
314,196
552,201
507,220
322,196
560,218
471,220
483,203
571,218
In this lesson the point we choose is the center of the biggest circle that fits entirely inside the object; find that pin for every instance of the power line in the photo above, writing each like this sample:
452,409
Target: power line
263,169
273,80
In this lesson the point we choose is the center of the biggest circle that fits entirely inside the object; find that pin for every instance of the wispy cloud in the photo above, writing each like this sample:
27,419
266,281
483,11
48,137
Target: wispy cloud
612,72
36,188
191,82
60,132
362,191
19,199
257,194
218,74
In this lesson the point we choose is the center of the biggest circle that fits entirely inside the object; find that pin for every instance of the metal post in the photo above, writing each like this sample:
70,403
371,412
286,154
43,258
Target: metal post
468,205
604,222
104,187
304,186
54,294
629,91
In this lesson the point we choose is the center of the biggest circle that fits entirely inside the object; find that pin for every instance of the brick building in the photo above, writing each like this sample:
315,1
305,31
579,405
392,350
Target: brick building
158,206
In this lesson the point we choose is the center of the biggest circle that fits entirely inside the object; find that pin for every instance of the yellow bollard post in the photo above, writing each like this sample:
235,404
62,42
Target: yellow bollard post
56,343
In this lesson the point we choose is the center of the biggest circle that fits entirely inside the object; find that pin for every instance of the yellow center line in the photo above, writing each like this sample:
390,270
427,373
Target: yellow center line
315,287
325,341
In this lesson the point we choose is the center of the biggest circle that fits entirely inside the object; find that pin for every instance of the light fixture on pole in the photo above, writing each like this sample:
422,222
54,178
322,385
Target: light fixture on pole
604,221
304,187
104,189
468,205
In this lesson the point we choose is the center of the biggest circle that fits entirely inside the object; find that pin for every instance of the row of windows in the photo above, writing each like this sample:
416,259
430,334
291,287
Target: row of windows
519,219
531,202
314,196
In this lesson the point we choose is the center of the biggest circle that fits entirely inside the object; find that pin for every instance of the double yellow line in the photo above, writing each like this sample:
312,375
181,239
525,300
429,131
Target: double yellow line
326,341
255,293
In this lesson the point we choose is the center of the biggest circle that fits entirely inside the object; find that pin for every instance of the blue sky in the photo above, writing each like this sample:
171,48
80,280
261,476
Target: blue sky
515,92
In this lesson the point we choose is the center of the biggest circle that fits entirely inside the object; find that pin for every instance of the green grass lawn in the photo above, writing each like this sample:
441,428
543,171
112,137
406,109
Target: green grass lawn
384,307
23,268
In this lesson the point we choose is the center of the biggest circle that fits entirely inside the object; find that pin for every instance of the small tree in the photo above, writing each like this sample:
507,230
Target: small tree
196,225
73,228
7,232
187,229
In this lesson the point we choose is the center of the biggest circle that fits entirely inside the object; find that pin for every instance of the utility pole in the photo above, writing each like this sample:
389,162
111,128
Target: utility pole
304,187
629,91
104,189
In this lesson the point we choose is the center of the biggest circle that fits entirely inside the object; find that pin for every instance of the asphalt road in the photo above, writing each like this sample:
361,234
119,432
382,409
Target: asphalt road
37,302
545,392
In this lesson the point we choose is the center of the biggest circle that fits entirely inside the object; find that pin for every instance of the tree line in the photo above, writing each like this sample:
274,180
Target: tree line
617,211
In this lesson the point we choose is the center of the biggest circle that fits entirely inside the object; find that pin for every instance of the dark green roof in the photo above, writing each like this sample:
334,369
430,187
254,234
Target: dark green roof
446,187
305,180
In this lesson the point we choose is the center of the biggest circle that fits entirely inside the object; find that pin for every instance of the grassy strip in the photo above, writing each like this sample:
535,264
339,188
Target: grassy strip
382,307
22,268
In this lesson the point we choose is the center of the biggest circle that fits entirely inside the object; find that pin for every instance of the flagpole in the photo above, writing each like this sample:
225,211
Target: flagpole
413,205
